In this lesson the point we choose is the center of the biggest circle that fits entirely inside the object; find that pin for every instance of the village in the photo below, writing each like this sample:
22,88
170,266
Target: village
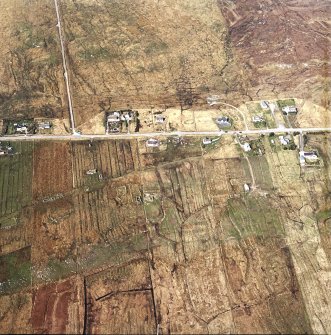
260,115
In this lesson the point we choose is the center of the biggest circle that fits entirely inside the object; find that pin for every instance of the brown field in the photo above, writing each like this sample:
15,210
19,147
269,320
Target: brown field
57,309
169,240
52,169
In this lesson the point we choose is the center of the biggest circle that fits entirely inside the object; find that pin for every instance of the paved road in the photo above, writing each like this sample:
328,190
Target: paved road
162,134
65,67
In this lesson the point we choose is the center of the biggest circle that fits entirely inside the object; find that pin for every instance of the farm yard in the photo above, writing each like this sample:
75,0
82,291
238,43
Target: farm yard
122,237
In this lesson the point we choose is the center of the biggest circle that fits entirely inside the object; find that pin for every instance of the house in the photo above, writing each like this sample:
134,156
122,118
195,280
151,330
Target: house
21,129
310,156
284,140
264,104
247,147
289,110
44,125
257,118
152,142
159,118
223,121
113,117
207,140
126,116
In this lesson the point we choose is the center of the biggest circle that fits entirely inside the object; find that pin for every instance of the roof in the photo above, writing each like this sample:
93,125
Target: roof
289,109
264,104
152,142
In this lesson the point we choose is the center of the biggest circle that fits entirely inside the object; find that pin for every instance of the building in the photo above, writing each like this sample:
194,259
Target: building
247,147
310,156
22,129
264,104
289,110
159,118
44,125
223,121
206,140
113,117
213,100
152,142
284,140
246,188
257,118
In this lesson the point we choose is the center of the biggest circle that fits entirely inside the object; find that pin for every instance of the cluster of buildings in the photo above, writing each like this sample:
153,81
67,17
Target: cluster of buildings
115,120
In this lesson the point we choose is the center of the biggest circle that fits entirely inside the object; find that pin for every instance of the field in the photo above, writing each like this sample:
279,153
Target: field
166,238
15,183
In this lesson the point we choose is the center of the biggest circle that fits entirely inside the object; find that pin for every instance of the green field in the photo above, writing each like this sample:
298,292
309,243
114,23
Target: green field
15,182
252,216
15,270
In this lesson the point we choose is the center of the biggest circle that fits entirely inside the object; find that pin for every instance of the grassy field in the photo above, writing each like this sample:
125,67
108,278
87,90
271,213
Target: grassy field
253,216
15,181
15,270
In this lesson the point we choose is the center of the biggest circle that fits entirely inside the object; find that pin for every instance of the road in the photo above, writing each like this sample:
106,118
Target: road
76,137
65,67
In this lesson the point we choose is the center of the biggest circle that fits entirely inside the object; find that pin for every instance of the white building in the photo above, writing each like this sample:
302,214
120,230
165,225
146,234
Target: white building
246,188
152,142
247,147
289,110
284,140
114,117
159,118
206,140
257,118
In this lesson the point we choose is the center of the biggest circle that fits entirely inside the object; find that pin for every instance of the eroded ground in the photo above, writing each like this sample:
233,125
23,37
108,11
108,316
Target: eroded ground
121,238
164,54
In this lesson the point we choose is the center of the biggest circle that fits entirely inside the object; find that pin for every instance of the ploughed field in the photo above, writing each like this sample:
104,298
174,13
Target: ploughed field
114,237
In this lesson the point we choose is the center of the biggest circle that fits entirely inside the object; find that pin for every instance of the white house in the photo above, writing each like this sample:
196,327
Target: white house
206,140
152,142
289,110
247,147
257,118
284,140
